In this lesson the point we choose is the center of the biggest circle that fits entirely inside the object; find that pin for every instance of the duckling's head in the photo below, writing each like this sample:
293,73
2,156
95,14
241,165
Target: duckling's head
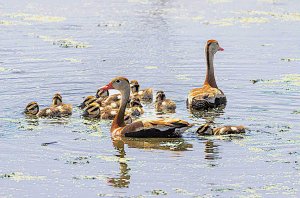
92,111
212,46
32,108
57,99
205,129
128,119
160,96
134,86
102,93
88,100
135,102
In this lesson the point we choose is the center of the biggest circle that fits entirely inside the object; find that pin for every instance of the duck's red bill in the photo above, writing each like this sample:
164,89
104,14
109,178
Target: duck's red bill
220,49
107,87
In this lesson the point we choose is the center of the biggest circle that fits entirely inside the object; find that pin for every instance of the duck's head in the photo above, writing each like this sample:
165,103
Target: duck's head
135,102
57,99
205,129
119,83
102,93
212,46
160,96
88,100
32,108
92,111
134,86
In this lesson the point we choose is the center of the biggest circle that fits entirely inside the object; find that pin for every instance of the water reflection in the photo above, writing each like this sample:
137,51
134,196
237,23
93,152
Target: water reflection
123,178
211,153
208,115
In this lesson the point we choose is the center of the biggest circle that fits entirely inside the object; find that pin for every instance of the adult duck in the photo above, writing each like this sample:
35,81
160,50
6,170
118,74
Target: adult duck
209,95
145,95
141,128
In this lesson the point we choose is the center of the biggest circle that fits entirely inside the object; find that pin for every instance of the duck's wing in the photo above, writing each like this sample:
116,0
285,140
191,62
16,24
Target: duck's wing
162,128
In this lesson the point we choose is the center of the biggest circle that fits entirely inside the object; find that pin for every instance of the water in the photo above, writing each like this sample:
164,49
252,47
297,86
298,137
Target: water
159,43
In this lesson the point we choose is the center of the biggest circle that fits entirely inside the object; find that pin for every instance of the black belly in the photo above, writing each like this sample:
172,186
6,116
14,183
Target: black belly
154,133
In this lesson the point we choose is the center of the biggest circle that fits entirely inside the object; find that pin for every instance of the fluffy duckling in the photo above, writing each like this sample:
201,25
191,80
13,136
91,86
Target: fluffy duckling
94,111
164,105
32,109
88,100
65,109
135,107
145,95
113,101
206,129
101,96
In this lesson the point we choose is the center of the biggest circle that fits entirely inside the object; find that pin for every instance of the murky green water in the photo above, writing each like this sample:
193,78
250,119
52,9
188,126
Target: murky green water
77,46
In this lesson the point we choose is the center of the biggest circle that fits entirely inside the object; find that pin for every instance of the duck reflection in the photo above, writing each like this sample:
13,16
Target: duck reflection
208,115
123,178
211,153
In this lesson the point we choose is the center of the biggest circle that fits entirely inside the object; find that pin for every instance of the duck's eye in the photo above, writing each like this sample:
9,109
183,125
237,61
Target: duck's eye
117,81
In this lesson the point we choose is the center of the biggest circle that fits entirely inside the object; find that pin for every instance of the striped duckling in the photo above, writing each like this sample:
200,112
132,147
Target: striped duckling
32,109
87,101
65,109
94,111
164,105
206,129
135,107
145,95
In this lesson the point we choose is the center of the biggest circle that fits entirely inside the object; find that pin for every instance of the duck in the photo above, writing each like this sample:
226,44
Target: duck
135,107
206,129
94,111
32,109
161,128
88,100
209,95
65,109
145,95
164,105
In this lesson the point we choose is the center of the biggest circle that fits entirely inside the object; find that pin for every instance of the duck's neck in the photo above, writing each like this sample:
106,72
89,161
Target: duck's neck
210,75
119,118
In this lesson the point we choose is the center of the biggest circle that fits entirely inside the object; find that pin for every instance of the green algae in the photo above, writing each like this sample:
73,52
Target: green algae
19,176
158,192
35,17
239,20
290,59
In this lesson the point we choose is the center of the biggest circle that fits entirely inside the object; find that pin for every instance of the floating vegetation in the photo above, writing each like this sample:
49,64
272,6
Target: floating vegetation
69,43
18,176
91,177
110,24
290,79
34,17
182,77
114,159
278,16
72,60
81,160
151,67
290,59
239,20
9,23
63,43
296,112
2,69
158,192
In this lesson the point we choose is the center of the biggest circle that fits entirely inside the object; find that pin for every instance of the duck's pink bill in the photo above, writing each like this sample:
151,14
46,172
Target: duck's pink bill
220,49
107,87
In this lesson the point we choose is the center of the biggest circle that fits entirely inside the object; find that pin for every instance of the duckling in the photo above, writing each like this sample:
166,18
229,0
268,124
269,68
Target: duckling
93,110
32,109
88,100
135,107
113,101
101,95
164,105
206,129
145,95
65,109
